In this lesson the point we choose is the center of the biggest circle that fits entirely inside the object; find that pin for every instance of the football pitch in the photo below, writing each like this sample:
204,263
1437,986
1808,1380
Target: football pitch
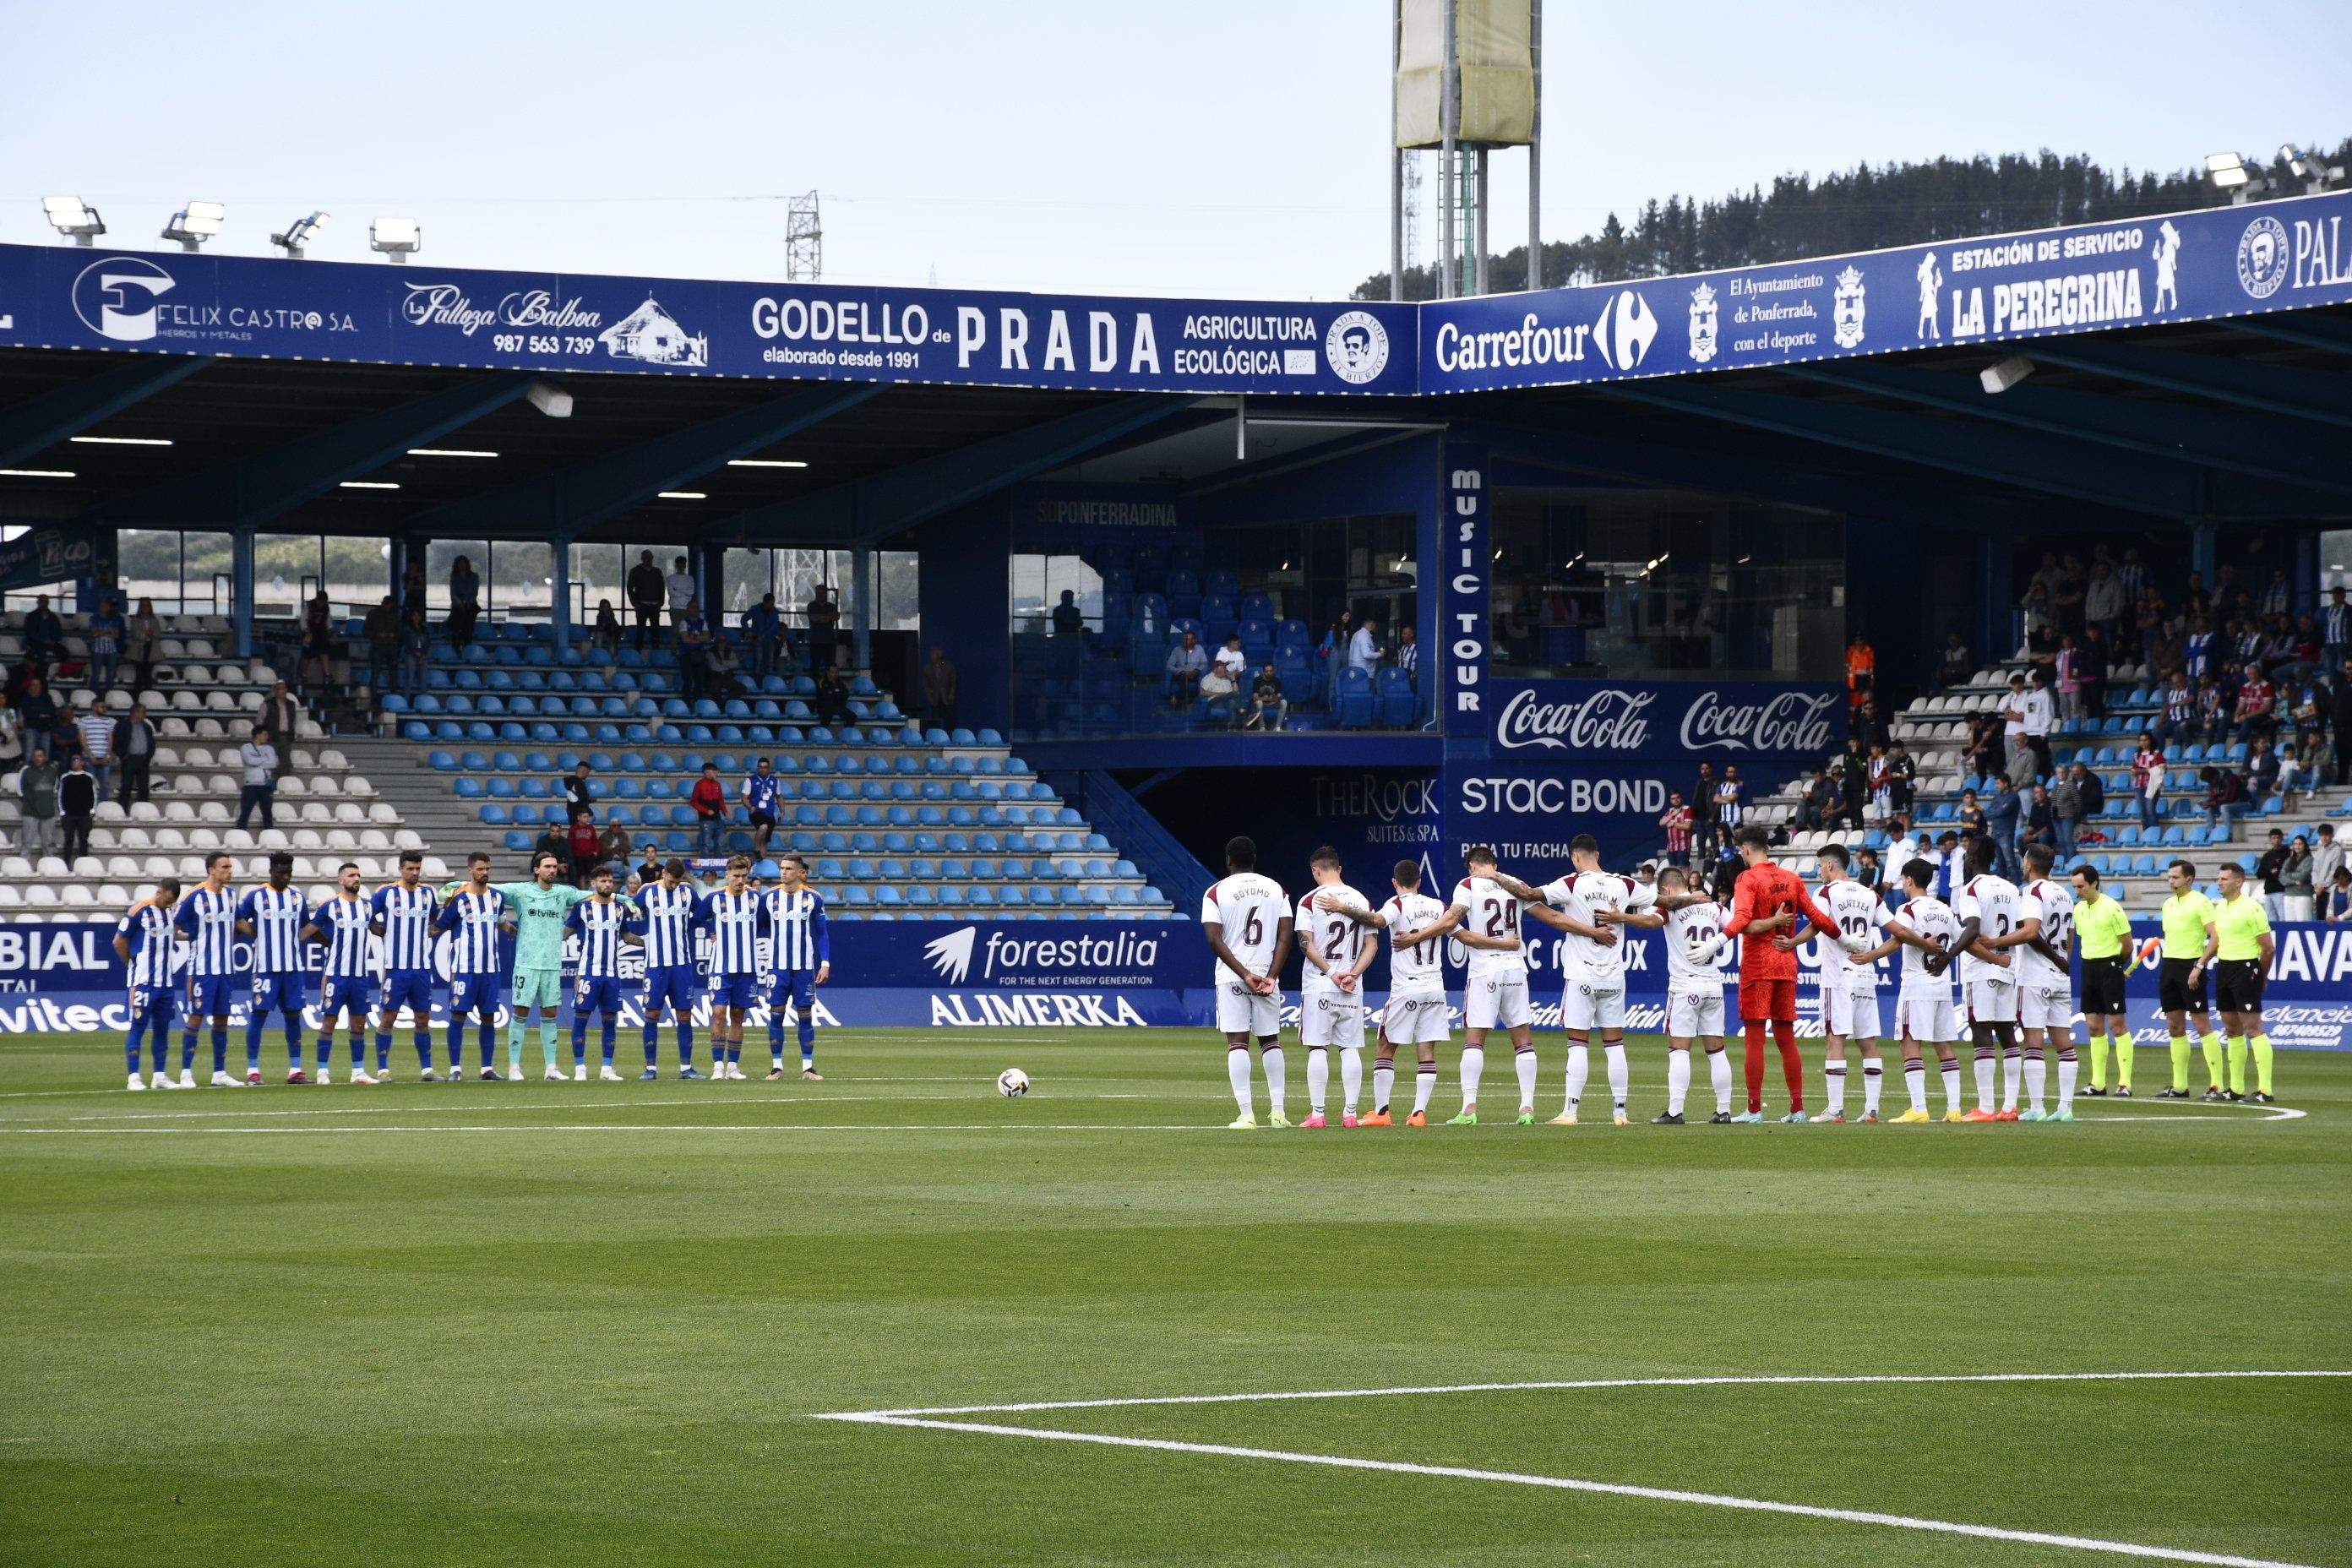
894,1319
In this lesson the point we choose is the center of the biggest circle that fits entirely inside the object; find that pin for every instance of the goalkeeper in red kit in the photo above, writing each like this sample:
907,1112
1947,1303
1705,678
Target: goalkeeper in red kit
1765,904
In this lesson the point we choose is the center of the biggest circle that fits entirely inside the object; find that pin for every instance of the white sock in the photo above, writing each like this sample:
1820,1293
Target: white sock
1986,1063
1276,1085
1678,1081
1318,1077
1620,1072
2012,1075
1425,1084
1579,1067
1351,1074
1525,1061
1951,1071
1383,1085
1719,1073
1238,1070
1873,1075
1473,1067
2067,1068
1833,1081
1915,1084
2037,1078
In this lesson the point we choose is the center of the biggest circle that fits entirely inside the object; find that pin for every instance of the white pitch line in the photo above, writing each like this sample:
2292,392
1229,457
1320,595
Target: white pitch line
665,1127
1612,1488
795,1104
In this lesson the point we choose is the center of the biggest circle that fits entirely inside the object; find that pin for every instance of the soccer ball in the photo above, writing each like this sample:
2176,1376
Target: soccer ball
1012,1083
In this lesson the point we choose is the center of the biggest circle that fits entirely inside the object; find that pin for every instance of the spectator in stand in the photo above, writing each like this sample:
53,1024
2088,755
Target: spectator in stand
2041,614
282,717
132,744
2257,710
1866,869
1815,805
93,741
824,617
693,648
2049,577
1865,724
585,849
2013,727
580,789
709,799
2270,869
2198,649
2177,710
615,847
1853,786
1364,647
2040,718
1730,803
556,841
1953,668
832,697
760,790
1982,753
1703,825
2278,598
12,736
2304,704
1676,821
723,665
648,869
416,648
2068,602
2335,632
78,797
2339,720
39,711
940,689
2298,892
1232,661
1267,711
2070,682
645,593
2292,774
37,792
2336,904
2091,671
2225,793
2262,771
465,602
1881,782
2104,605
2132,577
2147,770
257,783
1333,651
2035,823
763,634
106,634
1408,653
679,589
606,636
45,635
2327,858
1187,663
142,643
2002,815
1861,669
2065,815
384,637
411,588
1069,621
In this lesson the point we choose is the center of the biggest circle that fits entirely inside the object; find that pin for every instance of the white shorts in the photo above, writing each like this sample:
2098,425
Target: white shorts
1416,1018
1331,1018
1990,1002
2044,1006
1850,1015
1241,1012
1495,1002
1693,1015
1928,1019
1584,1006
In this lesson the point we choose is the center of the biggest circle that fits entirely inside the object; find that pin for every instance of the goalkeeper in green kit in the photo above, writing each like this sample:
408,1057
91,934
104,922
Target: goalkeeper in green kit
539,907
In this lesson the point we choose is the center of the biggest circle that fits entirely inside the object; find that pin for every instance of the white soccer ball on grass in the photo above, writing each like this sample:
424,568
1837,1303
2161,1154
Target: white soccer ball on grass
1012,1083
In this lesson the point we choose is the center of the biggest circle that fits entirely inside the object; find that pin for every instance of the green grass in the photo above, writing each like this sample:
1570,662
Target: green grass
592,1323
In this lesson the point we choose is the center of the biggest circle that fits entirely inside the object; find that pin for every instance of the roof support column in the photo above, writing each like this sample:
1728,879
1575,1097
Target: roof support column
2200,550
241,589
559,602
862,618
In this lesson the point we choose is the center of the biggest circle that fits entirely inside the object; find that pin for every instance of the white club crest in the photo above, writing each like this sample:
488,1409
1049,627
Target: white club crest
1702,323
1847,308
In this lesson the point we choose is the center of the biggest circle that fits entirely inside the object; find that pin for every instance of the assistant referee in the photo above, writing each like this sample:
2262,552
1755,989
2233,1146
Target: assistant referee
2190,945
2246,946
2102,932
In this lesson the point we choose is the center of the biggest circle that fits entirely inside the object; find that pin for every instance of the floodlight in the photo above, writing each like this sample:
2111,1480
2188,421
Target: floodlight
299,234
449,452
682,495
121,440
2315,176
397,237
2230,172
551,401
766,463
74,218
369,485
195,223
1999,377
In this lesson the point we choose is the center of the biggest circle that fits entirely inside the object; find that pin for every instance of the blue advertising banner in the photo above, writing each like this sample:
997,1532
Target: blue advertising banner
2187,267
354,312
1465,632
1667,719
57,553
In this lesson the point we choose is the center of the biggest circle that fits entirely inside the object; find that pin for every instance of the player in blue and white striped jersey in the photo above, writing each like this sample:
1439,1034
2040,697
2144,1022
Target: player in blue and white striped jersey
600,924
668,913
206,920
472,916
735,915
799,952
343,925
144,941
272,917
402,914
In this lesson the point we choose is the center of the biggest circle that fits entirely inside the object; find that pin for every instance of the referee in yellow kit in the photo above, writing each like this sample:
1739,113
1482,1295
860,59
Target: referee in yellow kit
2246,946
2189,948
2104,932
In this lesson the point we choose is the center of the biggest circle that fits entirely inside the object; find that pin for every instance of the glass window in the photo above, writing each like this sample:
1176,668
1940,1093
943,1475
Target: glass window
898,591
521,579
440,555
2335,561
287,569
599,572
359,572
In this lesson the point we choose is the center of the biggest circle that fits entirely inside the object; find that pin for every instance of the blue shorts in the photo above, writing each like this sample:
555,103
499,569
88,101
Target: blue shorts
354,993
280,992
476,993
409,988
597,995
161,1003
797,986
672,986
733,990
211,995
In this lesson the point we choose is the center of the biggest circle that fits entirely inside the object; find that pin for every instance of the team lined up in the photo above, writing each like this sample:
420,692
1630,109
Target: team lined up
190,956
2011,947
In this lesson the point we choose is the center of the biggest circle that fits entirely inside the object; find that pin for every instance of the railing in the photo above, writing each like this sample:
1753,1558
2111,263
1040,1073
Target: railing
1139,835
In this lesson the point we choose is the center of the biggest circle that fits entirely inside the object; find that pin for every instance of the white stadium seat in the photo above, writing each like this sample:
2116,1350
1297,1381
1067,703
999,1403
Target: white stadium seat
41,895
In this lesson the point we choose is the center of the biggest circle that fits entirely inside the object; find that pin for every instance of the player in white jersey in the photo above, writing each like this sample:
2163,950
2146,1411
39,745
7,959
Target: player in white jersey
1333,926
1849,981
1929,930
1588,904
145,941
206,922
800,956
1693,942
1485,918
472,917
343,925
2045,1001
671,913
1988,909
736,916
404,912
1416,1014
1246,918
600,923
272,917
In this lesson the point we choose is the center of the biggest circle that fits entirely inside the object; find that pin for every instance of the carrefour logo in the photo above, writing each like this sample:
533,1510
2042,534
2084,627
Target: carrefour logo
116,298
1625,332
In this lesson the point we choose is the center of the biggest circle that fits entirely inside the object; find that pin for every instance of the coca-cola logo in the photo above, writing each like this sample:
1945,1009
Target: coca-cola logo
1789,721
1610,719
447,305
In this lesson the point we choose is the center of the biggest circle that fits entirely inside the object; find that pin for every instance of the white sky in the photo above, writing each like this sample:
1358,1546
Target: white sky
1208,148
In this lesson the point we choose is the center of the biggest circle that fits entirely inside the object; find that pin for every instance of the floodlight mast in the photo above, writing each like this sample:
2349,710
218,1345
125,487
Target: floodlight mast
194,224
74,218
397,238
298,235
